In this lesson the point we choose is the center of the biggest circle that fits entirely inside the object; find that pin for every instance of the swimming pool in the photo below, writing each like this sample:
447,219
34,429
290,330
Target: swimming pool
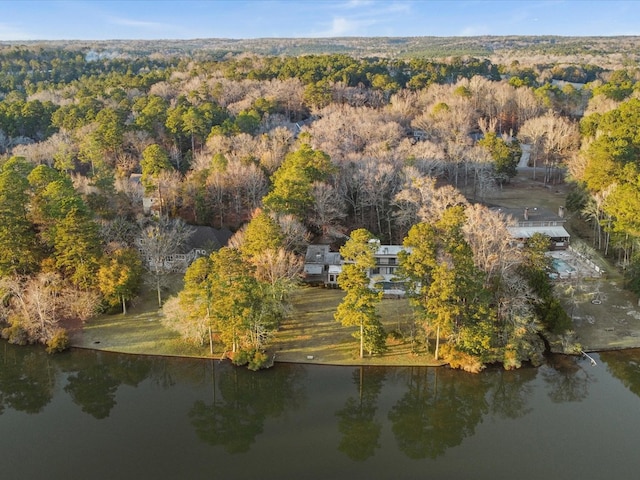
562,267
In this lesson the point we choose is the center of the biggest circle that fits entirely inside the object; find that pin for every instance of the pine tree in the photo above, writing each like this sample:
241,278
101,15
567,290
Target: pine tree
17,235
120,276
292,191
358,308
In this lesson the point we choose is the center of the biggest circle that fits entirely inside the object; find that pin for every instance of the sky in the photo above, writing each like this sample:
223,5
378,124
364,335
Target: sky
242,19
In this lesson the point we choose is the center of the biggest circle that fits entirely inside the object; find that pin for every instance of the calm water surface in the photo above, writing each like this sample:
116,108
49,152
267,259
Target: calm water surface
93,415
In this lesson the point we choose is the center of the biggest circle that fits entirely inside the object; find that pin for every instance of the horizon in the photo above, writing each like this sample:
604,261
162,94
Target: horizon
86,20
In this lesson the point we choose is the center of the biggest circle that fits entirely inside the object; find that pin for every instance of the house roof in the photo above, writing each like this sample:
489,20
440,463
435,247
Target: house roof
313,268
208,238
391,250
316,253
534,214
527,232
135,178
322,255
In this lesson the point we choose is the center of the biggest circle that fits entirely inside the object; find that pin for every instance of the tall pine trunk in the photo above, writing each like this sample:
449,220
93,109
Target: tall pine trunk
158,289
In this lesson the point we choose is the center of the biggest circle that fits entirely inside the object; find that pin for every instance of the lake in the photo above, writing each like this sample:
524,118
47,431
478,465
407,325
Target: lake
96,415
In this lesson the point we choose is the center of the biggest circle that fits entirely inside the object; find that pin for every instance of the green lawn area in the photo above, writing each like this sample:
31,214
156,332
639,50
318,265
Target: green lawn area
311,331
139,331
308,335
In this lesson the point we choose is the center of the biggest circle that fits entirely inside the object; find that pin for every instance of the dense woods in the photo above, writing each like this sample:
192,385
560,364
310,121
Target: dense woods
285,150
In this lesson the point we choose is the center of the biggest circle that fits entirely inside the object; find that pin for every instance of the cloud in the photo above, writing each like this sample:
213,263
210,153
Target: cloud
341,27
127,22
143,28
357,3
474,30
358,16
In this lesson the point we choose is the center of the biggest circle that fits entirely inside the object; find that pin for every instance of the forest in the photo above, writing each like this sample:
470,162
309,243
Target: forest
285,150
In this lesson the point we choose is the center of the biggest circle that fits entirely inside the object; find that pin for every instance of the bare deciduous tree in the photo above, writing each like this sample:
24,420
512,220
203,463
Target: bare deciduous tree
295,236
280,269
425,202
487,234
553,139
343,131
328,209
158,242
34,306
273,147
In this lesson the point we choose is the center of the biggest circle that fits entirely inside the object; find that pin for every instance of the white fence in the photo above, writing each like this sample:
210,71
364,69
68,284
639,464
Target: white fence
583,255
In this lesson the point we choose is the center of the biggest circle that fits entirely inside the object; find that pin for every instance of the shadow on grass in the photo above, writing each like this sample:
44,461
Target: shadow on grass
309,335
312,335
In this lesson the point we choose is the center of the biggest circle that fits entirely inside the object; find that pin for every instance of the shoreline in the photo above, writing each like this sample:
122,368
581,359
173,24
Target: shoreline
373,361
343,364
312,337
276,361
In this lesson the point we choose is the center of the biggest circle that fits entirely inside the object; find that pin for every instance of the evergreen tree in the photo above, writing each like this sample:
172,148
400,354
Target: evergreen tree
358,308
446,288
505,156
189,313
120,276
262,233
17,235
154,161
76,248
292,191
221,293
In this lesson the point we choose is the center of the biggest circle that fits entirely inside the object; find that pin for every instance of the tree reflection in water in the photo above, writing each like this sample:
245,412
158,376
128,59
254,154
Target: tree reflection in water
438,411
428,410
27,379
356,421
624,365
569,382
510,392
242,401
93,385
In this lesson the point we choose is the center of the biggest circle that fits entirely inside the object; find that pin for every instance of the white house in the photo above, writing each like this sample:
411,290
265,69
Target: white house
384,274
323,266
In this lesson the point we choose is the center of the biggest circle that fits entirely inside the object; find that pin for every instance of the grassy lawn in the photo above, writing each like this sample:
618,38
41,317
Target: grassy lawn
309,334
139,331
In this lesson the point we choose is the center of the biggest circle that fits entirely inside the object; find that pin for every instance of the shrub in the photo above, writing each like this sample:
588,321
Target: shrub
457,359
241,357
259,360
254,359
16,334
511,360
58,342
